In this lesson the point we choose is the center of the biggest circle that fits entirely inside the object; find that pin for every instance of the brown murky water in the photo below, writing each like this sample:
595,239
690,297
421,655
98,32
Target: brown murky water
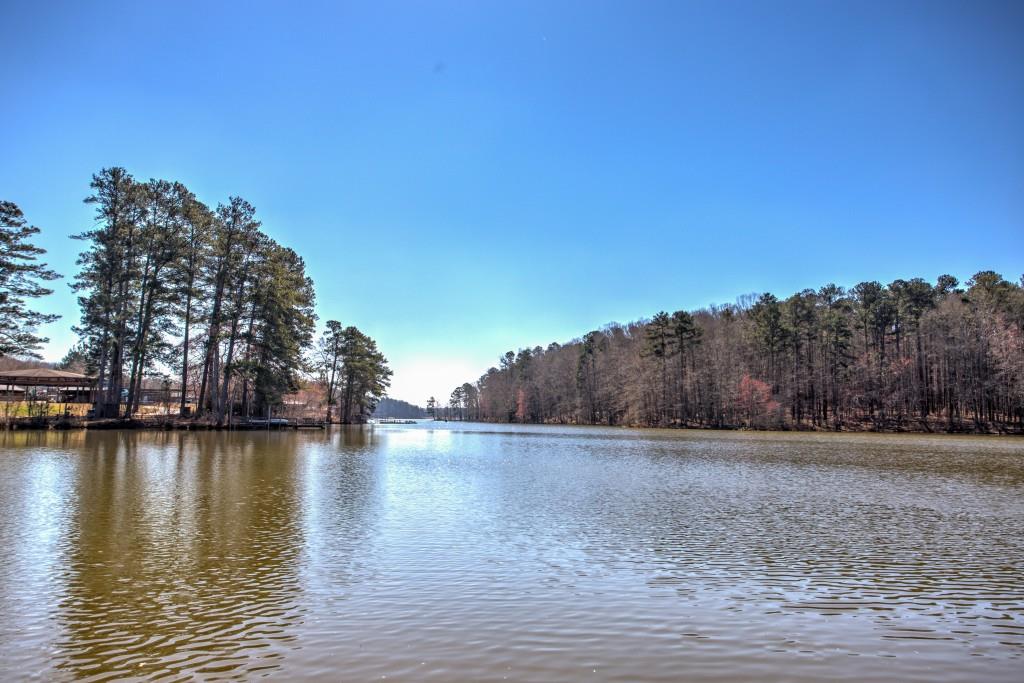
471,553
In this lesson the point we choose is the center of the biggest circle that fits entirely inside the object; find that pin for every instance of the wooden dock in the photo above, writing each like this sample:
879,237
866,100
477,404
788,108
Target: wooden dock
280,423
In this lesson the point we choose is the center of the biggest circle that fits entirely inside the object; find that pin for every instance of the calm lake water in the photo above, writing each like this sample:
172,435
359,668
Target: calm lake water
481,552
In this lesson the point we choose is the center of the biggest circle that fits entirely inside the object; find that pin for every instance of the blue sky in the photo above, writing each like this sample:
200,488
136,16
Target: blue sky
466,178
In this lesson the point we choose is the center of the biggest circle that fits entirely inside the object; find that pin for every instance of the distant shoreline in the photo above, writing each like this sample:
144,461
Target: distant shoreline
906,428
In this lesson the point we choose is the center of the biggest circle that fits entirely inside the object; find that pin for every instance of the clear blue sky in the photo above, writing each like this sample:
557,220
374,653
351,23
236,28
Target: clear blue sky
464,178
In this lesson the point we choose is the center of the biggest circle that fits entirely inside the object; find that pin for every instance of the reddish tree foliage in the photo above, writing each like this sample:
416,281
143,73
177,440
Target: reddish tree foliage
754,397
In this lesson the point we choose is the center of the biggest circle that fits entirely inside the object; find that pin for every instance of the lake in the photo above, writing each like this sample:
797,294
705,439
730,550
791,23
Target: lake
469,552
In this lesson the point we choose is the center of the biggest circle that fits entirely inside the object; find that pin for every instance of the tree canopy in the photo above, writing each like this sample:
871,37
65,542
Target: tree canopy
166,281
907,355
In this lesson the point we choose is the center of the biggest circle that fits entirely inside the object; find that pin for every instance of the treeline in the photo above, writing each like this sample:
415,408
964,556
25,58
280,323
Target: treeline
463,404
908,355
160,266
167,282
393,408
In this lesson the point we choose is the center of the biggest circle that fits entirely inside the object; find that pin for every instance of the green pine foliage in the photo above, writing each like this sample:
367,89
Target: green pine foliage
21,280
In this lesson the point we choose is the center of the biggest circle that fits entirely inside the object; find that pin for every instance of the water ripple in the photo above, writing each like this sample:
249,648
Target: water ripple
510,553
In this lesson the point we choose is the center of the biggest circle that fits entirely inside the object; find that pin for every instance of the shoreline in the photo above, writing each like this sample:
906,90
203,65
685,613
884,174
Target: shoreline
177,424
160,425
962,430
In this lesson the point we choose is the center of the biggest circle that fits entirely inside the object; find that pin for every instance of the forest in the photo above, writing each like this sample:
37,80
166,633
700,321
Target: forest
910,355
196,298
394,408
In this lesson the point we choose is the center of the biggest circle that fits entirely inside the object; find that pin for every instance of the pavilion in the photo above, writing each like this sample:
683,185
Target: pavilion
77,387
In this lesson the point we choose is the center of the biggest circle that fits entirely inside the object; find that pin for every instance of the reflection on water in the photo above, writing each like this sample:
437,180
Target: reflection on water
184,558
451,552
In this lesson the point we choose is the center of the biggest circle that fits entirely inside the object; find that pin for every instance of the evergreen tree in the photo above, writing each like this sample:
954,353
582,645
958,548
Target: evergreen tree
21,278
108,281
365,374
329,363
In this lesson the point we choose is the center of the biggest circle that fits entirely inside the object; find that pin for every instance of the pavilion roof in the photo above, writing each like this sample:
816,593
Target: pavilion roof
45,377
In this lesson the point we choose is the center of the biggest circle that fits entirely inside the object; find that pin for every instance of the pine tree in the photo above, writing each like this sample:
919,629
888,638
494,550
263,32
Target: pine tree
21,276
329,363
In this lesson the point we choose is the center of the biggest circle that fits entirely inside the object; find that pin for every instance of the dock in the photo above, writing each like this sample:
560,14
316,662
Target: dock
280,423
